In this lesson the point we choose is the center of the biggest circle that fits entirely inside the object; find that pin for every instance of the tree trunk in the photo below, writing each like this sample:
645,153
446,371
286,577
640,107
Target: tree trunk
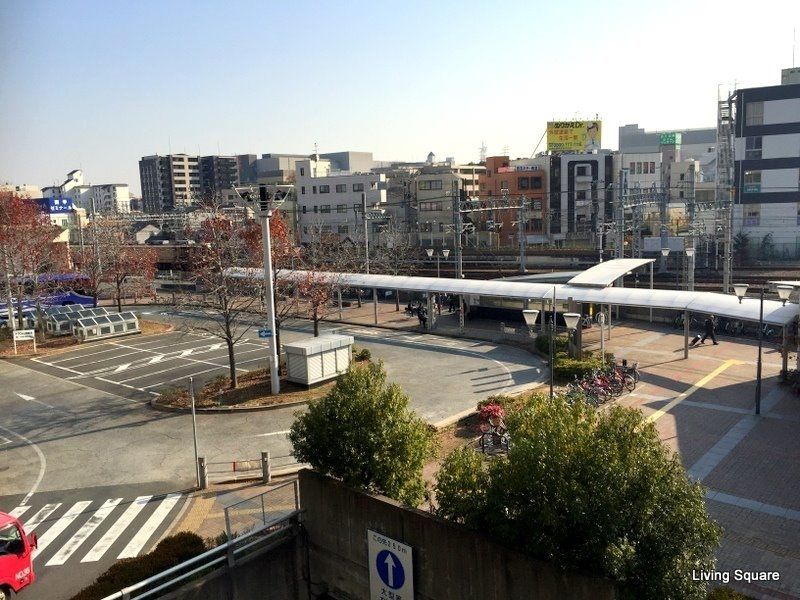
20,316
397,300
119,296
232,363
316,322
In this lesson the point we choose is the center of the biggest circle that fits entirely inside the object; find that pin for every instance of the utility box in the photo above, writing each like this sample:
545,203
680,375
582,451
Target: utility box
318,359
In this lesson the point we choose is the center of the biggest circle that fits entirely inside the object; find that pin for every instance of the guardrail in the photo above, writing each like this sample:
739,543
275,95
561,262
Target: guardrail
261,510
261,539
247,469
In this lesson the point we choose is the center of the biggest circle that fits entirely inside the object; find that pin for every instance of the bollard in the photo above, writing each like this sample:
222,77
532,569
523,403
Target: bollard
266,467
201,463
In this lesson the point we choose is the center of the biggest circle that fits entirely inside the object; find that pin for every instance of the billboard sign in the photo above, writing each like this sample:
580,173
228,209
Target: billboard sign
573,136
670,139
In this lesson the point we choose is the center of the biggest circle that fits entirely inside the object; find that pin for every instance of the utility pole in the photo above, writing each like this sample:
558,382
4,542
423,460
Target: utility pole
521,222
457,194
727,244
620,213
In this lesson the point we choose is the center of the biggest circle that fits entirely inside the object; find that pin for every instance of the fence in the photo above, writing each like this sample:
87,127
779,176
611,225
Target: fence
229,553
247,469
262,510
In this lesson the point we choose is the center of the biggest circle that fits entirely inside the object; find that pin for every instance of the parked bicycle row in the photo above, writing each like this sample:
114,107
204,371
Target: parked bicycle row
604,384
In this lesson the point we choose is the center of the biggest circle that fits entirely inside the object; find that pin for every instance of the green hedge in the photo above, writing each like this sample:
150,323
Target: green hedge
542,344
171,551
569,368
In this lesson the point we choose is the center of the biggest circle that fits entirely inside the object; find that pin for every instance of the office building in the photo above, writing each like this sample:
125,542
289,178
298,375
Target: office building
218,175
169,182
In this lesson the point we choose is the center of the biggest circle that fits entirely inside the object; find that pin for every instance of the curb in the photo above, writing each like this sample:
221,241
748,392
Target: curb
211,411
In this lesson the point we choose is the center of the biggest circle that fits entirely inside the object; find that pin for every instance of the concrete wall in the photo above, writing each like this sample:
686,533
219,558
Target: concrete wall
273,574
450,561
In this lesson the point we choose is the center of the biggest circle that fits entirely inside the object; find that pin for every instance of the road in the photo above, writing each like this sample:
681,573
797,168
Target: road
80,450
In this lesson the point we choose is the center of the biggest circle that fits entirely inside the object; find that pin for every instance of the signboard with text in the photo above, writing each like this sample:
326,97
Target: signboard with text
670,139
391,568
573,136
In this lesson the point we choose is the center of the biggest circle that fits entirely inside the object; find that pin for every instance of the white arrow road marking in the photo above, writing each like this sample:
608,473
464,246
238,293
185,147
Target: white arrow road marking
59,526
32,399
214,347
121,368
104,543
155,359
44,512
186,352
19,511
84,532
273,433
148,529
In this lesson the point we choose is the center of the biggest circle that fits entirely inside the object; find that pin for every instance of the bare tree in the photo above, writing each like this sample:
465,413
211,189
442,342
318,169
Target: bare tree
223,242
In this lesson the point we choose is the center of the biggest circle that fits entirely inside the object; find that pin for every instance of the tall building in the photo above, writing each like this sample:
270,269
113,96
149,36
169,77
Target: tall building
218,174
329,202
169,182
694,143
767,168
106,198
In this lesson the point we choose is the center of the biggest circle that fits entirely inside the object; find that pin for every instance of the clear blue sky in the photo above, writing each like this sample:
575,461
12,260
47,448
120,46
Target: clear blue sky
98,84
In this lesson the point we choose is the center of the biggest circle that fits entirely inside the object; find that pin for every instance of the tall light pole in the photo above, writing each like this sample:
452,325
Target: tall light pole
690,267
740,289
366,230
445,253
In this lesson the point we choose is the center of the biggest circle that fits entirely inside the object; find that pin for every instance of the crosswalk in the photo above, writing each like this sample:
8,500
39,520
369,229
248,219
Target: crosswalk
66,530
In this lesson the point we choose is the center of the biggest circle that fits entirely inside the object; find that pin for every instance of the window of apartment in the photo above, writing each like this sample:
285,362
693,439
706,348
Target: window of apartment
536,183
580,195
325,209
638,168
341,208
752,182
343,230
652,167
302,172
326,229
358,187
536,225
683,177
430,206
316,209
633,167
503,185
536,205
754,113
303,189
681,195
431,184
373,185
752,148
752,216
341,188
324,189
583,170
304,209
523,183
313,189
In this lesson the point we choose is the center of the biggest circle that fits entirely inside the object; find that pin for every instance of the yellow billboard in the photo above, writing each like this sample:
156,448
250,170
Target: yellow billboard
573,136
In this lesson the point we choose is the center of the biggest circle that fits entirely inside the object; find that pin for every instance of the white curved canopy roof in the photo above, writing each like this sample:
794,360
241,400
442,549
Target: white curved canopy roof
605,273
722,305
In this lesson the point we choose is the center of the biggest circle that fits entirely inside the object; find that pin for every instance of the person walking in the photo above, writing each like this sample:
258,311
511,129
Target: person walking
709,330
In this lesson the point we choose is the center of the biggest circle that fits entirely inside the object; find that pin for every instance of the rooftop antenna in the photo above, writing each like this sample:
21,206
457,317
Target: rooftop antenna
483,152
316,151
505,150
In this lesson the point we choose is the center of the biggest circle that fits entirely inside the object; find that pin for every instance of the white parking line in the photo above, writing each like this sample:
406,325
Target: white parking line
138,351
183,377
202,362
150,374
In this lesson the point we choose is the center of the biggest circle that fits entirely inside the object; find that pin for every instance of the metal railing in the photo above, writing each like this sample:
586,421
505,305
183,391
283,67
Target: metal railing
228,553
262,510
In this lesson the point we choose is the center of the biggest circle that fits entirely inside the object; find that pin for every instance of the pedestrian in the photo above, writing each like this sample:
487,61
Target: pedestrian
423,316
709,330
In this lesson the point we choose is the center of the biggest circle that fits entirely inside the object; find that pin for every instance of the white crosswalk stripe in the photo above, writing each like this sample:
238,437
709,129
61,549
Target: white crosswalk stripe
40,516
105,542
63,533
59,526
84,532
148,529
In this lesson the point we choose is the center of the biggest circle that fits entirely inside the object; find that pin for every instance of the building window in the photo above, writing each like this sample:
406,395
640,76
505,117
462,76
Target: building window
523,183
581,195
752,217
536,225
341,188
798,213
752,148
303,189
431,184
680,195
652,167
633,167
754,113
441,227
358,187
683,176
341,208
537,205
313,189
638,168
537,183
326,229
315,209
325,209
324,189
582,171
503,185
344,230
430,206
752,182
302,172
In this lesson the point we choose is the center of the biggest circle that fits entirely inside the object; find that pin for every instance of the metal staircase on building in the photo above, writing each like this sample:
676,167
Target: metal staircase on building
725,181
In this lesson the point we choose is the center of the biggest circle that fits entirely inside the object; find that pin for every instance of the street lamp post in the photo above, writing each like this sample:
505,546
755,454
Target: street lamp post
741,289
664,254
444,253
570,319
601,319
690,267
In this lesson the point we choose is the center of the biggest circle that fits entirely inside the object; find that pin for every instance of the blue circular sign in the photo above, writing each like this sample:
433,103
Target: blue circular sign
390,569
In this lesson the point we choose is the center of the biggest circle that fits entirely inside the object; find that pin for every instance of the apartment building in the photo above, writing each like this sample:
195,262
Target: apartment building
106,198
169,182
218,175
329,201
767,167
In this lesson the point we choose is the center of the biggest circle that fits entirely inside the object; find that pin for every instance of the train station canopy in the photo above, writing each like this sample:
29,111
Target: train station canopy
605,273
721,305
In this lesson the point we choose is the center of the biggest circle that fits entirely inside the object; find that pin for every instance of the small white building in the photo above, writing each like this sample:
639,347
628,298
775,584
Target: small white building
108,198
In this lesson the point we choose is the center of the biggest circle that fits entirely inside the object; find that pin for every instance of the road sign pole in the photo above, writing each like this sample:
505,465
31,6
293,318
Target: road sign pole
194,435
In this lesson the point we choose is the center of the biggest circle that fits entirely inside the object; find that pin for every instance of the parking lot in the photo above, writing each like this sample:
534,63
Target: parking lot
142,367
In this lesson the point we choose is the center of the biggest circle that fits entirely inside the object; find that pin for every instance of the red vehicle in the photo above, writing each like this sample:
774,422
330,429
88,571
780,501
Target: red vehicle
16,556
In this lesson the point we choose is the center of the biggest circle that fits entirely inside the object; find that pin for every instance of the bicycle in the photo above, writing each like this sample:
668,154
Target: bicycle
633,371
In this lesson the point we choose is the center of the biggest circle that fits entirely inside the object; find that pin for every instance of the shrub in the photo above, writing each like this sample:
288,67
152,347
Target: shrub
588,490
171,551
492,411
569,368
363,354
363,433
726,593
542,344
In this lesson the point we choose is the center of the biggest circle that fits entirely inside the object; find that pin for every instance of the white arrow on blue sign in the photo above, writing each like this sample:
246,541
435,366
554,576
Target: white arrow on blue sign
391,568
264,333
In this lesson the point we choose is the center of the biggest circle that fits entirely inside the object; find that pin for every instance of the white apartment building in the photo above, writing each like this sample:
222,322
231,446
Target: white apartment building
108,198
329,201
